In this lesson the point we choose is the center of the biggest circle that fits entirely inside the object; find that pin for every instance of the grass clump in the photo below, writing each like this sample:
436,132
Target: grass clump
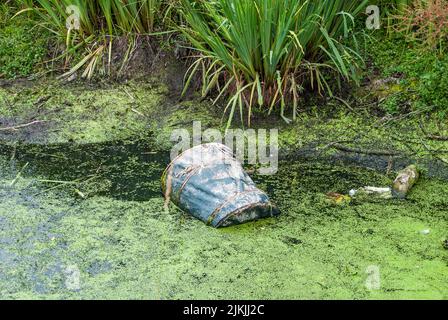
263,52
88,28
110,16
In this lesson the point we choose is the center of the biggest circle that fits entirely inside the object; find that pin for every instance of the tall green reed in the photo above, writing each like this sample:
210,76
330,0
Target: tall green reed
99,22
263,51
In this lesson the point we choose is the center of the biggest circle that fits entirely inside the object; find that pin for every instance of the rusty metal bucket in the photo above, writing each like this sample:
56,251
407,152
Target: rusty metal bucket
210,184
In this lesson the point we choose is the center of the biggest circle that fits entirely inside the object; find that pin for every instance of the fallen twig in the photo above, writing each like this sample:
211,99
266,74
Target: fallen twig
19,174
344,103
13,128
443,160
73,183
364,151
434,153
438,138
137,112
432,136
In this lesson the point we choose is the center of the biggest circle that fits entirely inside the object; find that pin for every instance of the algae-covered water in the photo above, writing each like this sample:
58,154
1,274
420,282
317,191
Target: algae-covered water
87,221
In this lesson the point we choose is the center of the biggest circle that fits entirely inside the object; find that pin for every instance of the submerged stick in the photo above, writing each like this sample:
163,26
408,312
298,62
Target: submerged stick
363,151
60,184
432,136
166,205
19,174
21,125
437,138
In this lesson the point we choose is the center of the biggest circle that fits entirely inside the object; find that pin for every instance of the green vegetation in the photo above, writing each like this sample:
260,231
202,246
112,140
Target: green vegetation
125,246
22,46
80,161
90,28
399,5
264,52
425,24
80,114
422,77
98,17
262,56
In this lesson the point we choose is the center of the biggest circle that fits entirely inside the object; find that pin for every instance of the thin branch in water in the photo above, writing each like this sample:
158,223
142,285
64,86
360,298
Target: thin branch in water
437,138
14,128
19,174
344,148
432,136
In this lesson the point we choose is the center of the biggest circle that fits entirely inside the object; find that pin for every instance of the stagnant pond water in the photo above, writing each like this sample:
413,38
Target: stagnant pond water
87,221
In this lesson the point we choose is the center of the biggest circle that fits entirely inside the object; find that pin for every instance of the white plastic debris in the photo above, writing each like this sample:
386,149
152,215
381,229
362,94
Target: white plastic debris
383,193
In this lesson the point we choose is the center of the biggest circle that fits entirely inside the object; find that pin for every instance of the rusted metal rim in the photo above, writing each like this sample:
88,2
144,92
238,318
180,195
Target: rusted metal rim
267,205
215,212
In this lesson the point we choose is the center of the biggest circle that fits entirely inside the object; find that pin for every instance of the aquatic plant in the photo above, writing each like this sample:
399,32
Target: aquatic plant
261,52
21,47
